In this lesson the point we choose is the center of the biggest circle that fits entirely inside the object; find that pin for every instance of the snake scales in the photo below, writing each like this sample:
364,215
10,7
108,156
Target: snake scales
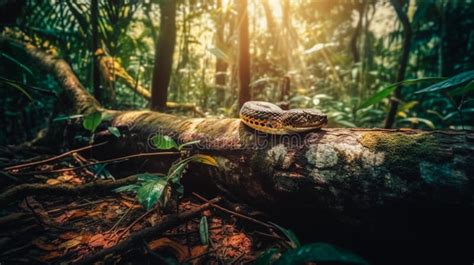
269,118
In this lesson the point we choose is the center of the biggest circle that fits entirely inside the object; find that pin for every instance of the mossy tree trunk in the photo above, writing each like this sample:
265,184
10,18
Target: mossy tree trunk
347,173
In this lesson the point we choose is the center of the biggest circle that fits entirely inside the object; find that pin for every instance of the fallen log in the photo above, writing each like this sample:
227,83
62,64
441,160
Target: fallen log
348,173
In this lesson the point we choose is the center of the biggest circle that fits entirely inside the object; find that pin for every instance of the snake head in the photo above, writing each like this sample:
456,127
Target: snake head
300,120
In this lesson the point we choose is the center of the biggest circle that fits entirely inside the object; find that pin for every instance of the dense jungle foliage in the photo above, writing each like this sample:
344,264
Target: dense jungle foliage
339,56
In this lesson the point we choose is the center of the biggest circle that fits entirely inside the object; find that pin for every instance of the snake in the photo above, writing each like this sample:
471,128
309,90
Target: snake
269,118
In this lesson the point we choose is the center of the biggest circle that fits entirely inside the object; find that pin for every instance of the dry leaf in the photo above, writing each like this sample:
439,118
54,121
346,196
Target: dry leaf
50,256
70,215
71,243
53,182
97,241
198,250
65,177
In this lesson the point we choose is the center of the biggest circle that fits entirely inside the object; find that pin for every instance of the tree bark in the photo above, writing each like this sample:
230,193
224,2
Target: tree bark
94,46
343,174
164,55
407,33
244,55
353,44
221,65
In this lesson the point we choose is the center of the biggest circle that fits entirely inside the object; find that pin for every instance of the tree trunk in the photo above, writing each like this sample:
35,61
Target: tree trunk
364,177
94,46
221,65
244,55
353,44
402,16
164,55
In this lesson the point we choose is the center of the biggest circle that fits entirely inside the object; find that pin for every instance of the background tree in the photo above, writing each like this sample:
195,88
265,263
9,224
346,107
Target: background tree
244,53
164,55
407,32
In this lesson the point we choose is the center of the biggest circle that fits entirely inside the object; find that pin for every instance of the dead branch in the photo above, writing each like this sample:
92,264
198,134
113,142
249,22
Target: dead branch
23,190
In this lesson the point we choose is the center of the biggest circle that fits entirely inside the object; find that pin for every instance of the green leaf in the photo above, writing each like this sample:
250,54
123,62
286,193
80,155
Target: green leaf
204,231
379,96
151,193
455,113
114,131
294,242
408,106
149,177
319,252
176,171
387,91
163,142
188,144
267,257
450,83
132,188
92,121
462,90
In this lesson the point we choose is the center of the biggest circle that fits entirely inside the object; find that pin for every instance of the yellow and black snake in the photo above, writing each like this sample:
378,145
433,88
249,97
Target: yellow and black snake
269,118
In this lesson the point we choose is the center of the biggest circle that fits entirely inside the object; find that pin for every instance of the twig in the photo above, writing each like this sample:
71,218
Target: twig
54,157
234,213
135,238
121,218
135,222
114,160
24,190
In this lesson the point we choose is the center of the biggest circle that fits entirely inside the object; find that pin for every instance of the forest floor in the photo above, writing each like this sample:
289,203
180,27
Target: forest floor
67,228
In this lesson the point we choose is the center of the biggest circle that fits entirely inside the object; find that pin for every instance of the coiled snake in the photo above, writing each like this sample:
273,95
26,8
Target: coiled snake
269,118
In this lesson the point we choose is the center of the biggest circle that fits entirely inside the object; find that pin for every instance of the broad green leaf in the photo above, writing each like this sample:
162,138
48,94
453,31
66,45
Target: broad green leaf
449,83
319,252
114,131
163,142
132,188
462,90
92,121
149,177
416,120
176,171
188,144
19,88
464,112
379,96
151,193
294,242
387,91
204,231
267,257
